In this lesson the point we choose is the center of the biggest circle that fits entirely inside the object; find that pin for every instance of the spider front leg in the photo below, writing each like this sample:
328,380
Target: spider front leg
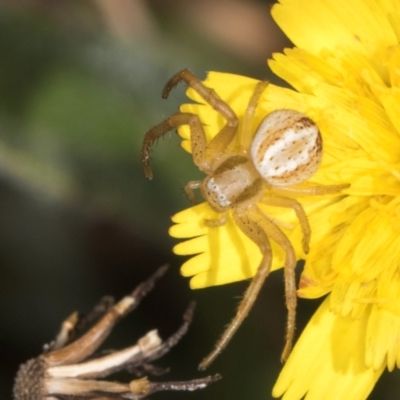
253,230
197,138
224,137
203,154
247,131
216,222
190,187
211,223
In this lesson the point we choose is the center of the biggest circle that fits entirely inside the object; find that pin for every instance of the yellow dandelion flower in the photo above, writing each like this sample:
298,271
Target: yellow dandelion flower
345,71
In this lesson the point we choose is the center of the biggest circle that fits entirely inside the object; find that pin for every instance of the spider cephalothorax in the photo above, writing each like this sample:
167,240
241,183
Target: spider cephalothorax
63,372
285,150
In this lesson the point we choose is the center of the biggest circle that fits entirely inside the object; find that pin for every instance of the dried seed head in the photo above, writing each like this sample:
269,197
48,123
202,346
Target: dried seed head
29,380
287,148
65,372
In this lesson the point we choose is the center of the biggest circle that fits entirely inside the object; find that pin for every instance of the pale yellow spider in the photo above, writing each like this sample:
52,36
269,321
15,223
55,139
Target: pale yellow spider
285,150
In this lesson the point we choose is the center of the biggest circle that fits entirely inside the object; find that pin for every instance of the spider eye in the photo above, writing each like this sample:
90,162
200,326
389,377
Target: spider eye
287,148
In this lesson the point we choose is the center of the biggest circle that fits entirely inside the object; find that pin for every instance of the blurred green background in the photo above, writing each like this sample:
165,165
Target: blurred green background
80,84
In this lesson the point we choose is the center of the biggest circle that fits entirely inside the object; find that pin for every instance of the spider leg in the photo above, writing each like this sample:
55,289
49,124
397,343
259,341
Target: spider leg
220,141
215,223
197,139
88,343
279,237
317,190
189,190
247,131
253,230
287,202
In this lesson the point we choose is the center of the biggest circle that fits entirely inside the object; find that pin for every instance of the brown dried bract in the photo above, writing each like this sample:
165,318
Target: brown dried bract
63,372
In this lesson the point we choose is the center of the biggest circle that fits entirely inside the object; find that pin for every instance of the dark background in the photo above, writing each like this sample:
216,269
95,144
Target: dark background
80,83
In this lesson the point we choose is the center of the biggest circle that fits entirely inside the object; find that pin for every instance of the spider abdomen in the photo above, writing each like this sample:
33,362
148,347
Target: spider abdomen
287,148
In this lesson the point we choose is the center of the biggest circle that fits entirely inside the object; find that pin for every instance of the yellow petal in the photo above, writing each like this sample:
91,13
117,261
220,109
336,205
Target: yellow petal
383,345
327,362
328,219
320,24
225,253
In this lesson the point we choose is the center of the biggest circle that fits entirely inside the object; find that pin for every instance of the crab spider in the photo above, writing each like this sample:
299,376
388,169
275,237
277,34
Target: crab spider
285,150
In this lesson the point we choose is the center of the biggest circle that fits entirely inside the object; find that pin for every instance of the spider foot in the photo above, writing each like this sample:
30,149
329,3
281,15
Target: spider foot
184,75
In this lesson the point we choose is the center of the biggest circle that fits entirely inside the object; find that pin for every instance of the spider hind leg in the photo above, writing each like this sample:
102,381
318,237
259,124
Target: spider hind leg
253,223
287,202
274,232
251,229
